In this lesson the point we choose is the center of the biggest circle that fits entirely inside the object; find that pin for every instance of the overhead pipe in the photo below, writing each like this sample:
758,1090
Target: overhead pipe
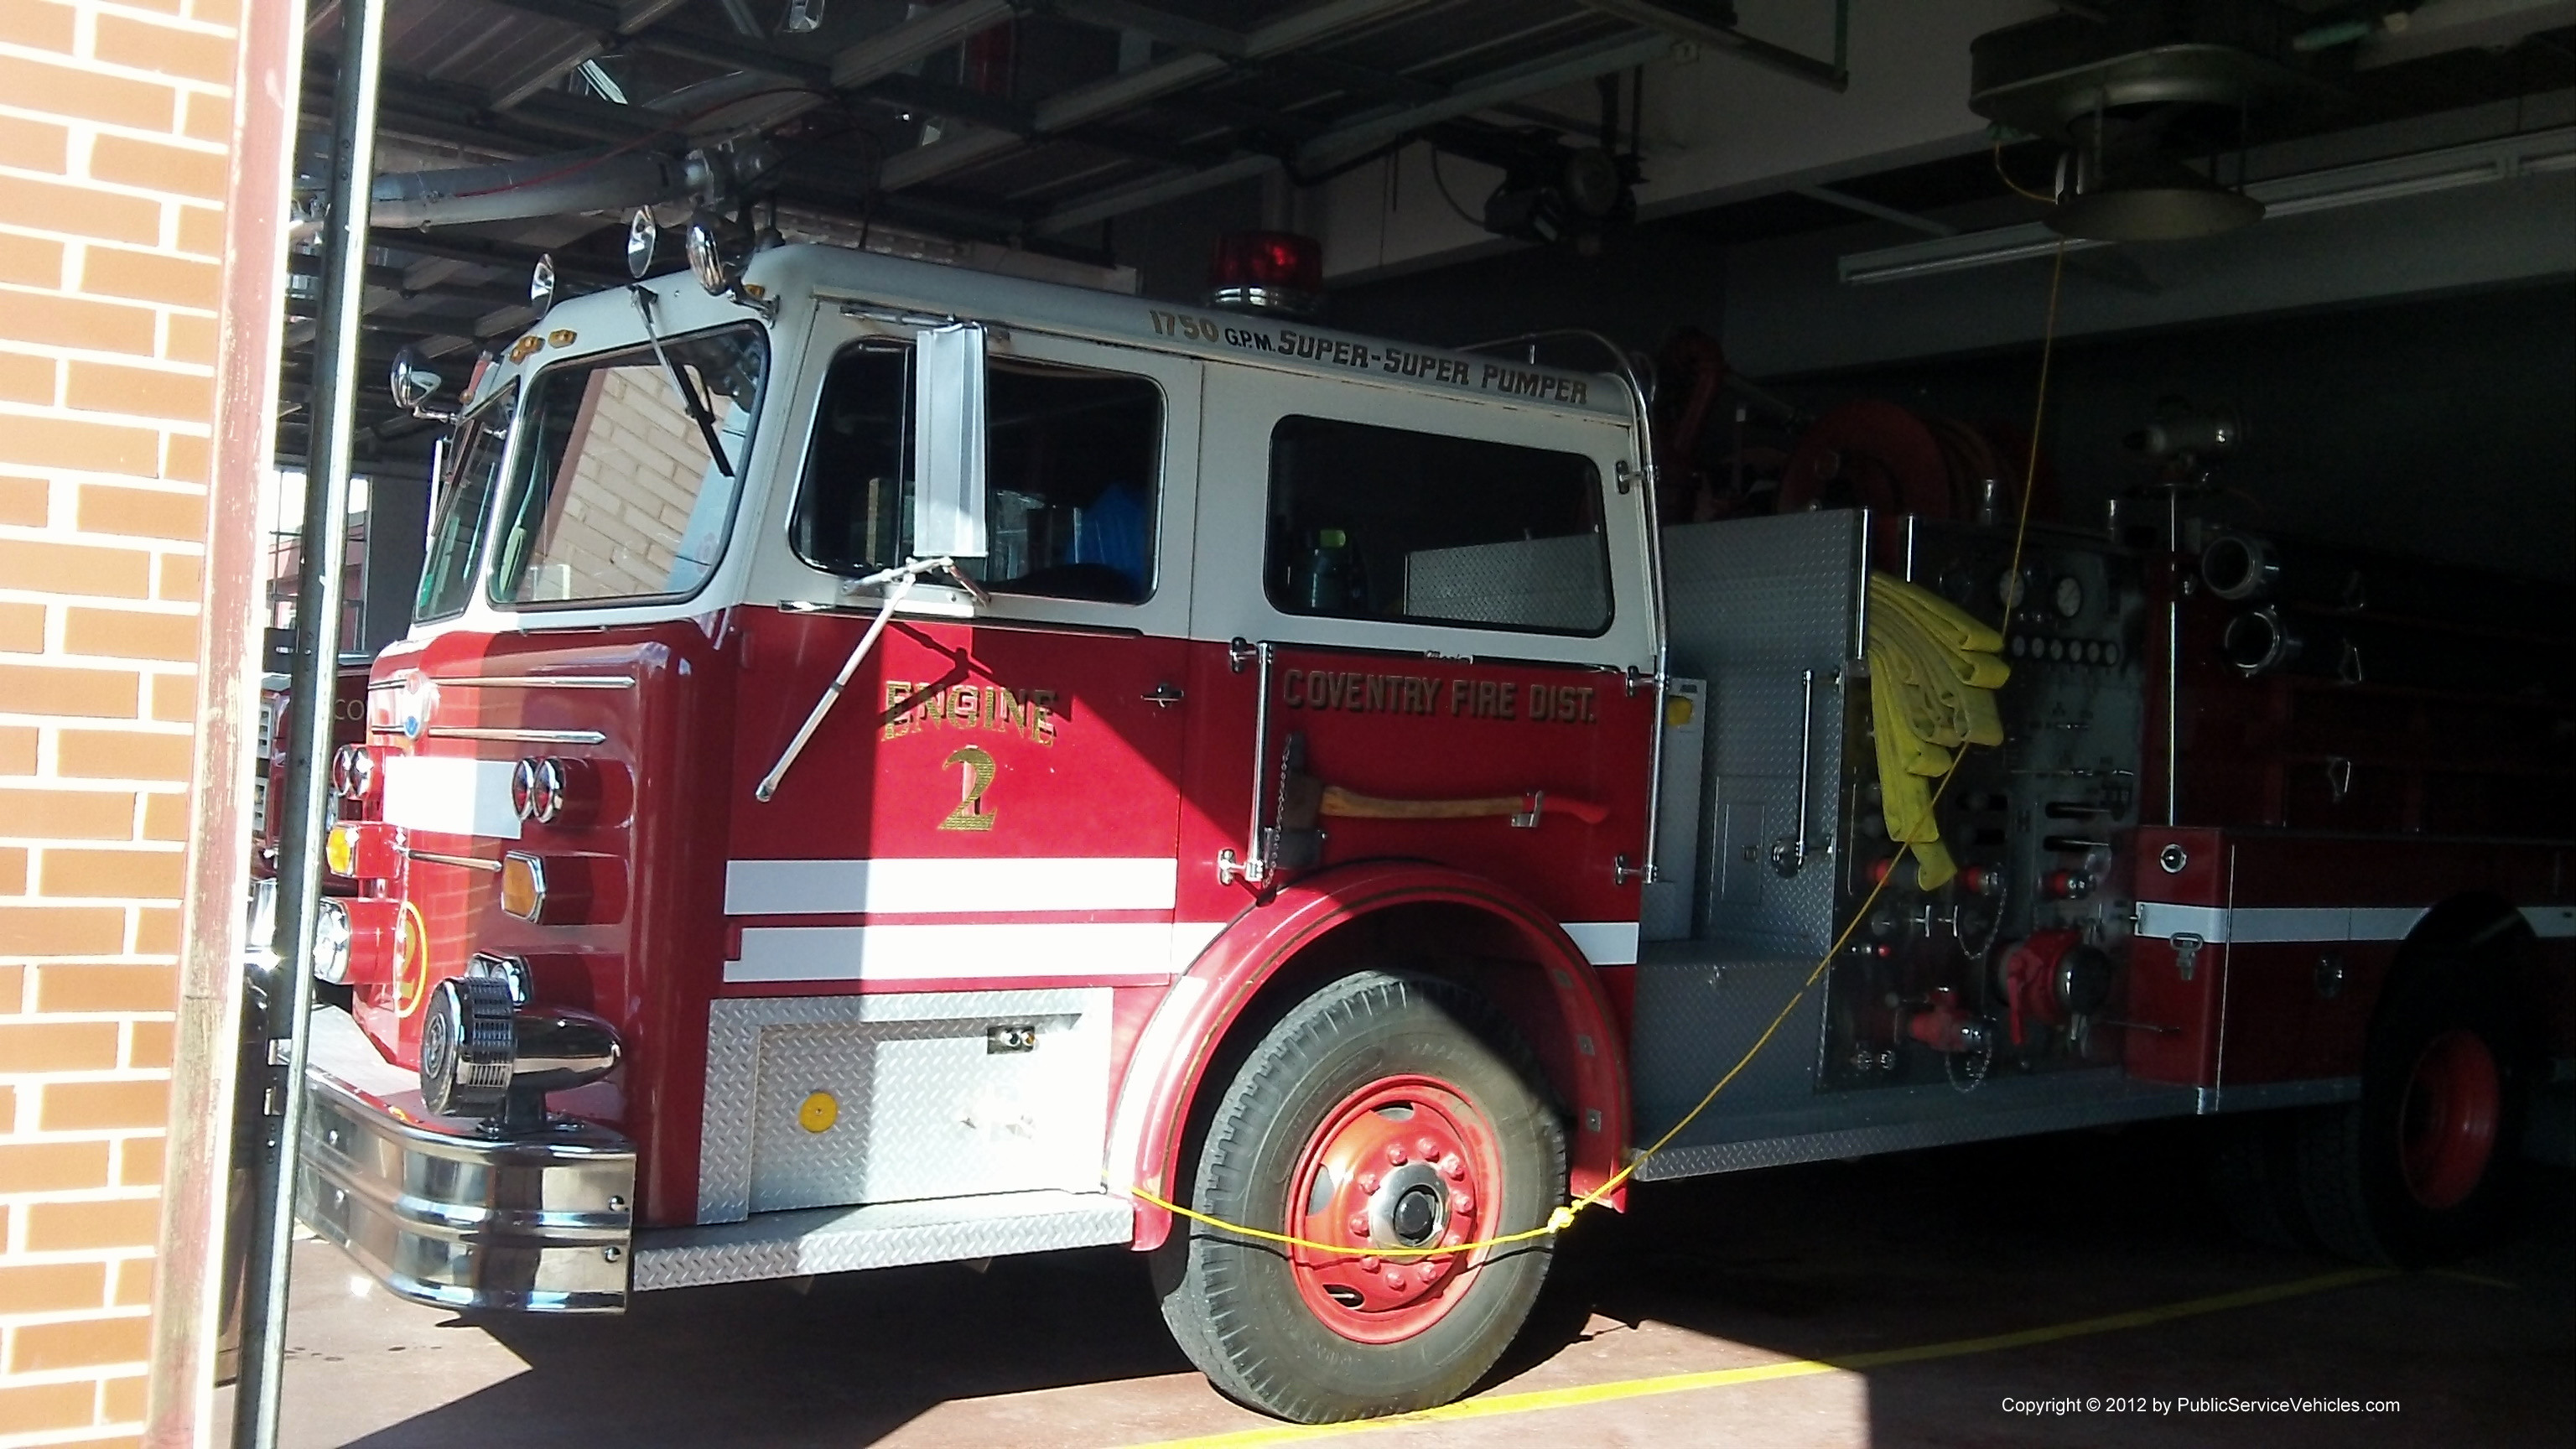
541,186
616,179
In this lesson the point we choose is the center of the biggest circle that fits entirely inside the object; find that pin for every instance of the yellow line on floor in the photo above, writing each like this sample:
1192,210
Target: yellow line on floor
1496,1405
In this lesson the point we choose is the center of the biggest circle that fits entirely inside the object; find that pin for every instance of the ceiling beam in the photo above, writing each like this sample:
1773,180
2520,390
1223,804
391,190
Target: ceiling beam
1482,92
1467,97
1161,25
1703,23
934,30
1311,26
600,28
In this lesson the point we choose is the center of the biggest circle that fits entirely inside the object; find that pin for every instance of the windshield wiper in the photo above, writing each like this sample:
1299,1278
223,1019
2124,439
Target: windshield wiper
690,401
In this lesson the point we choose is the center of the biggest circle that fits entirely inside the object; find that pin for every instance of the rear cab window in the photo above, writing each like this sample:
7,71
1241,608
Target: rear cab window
1374,522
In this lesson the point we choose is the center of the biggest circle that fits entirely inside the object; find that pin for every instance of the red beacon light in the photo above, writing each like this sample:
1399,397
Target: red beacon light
1267,271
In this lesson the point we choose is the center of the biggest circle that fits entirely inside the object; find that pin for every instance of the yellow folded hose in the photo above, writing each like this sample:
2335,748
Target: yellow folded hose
1932,678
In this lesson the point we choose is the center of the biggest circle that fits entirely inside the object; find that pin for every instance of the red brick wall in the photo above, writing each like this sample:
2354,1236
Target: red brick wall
115,127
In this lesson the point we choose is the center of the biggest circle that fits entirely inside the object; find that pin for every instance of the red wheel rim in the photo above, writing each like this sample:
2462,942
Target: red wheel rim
1404,1162
2446,1131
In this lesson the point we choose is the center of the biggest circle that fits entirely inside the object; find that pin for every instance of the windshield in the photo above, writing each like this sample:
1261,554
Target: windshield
627,472
464,503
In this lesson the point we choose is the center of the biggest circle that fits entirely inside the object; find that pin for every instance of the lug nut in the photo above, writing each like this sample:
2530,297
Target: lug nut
1395,1279
1368,1265
1433,1268
1368,1182
1358,1225
1426,1148
1452,1168
1395,1154
1462,1202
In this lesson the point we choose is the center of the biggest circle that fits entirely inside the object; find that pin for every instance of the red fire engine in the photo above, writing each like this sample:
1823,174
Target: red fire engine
897,765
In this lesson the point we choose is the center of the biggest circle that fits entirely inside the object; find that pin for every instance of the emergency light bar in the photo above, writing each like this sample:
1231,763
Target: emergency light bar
1267,271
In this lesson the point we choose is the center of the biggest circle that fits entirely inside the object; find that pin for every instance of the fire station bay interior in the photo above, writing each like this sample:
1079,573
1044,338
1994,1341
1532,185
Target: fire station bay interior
1411,688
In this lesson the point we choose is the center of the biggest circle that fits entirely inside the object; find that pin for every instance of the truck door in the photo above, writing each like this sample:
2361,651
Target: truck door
1442,601
976,851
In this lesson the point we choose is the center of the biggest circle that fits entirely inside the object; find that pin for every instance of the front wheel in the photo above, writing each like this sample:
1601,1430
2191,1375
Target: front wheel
2420,1169
1385,1112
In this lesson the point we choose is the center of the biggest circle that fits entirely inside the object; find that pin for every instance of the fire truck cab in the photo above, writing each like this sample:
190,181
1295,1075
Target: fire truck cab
897,764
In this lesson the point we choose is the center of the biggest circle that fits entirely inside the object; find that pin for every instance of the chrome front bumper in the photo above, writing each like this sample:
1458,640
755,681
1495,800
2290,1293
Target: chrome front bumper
442,1214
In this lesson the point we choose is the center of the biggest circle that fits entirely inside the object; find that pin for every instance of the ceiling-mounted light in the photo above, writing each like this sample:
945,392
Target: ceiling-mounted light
2529,154
2152,198
2118,186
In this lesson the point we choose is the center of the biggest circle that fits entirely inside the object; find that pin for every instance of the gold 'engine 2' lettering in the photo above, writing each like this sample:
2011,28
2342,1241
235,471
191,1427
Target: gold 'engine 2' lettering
911,706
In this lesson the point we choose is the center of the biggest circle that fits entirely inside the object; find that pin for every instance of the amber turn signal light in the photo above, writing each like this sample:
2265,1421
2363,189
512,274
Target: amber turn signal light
523,886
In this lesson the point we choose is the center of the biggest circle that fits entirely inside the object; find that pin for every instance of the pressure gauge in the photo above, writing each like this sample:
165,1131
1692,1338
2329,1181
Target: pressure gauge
2010,590
2068,597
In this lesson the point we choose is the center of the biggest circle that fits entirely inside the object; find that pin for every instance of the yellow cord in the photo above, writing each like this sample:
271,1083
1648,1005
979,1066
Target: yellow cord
2006,178
1561,1217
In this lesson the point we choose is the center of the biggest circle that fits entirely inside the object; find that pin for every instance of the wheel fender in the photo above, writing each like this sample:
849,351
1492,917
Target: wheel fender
1172,1054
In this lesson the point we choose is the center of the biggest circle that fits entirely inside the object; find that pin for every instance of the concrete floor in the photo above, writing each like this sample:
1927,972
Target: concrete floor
1895,1301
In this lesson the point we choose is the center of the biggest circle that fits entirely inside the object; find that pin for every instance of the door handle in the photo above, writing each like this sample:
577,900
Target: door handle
1163,696
1789,852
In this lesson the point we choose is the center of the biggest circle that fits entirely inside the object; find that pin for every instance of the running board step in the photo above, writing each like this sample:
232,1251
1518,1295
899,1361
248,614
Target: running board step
881,1235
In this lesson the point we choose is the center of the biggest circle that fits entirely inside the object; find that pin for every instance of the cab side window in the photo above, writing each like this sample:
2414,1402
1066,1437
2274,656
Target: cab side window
1073,461
1372,522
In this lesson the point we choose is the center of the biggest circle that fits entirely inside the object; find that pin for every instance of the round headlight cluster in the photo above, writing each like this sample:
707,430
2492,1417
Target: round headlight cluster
353,772
331,935
541,789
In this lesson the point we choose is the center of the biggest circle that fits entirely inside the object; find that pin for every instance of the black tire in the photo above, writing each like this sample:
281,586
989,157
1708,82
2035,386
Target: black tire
2356,1196
1236,1306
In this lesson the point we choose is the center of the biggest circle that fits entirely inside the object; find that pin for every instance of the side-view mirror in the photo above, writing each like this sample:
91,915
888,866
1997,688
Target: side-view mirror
948,442
541,284
641,238
414,384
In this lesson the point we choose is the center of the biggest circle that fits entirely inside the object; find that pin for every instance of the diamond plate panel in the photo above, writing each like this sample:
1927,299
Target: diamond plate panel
1698,1014
1900,1119
1753,605
885,1235
925,1110
1541,583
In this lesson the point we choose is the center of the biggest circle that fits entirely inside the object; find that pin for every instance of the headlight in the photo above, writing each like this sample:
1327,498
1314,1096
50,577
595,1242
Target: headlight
331,943
550,790
353,772
523,789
